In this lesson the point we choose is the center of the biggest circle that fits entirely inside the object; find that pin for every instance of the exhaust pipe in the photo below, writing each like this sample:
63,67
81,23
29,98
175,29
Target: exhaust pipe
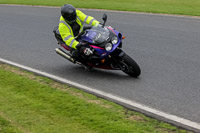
65,55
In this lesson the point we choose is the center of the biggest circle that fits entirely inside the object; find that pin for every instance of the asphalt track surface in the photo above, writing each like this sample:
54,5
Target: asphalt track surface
166,48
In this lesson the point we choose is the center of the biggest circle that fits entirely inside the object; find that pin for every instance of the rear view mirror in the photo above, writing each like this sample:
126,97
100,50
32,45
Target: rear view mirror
104,19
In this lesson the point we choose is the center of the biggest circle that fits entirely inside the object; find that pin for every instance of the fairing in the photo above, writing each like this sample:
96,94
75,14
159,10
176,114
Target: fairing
96,35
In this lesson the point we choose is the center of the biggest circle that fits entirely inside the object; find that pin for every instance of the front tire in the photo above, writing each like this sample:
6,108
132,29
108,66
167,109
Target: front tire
129,66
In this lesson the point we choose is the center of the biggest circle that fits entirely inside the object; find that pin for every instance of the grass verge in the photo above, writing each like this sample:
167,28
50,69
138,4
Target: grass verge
182,7
29,103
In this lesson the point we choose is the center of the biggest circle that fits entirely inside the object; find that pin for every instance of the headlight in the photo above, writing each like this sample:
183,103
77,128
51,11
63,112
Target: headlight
108,47
114,40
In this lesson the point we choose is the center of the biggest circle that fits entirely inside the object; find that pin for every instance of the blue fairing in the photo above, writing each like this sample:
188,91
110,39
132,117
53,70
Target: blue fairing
97,36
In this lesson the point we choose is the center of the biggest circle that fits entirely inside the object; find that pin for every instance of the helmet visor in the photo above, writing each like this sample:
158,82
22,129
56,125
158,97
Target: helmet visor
71,18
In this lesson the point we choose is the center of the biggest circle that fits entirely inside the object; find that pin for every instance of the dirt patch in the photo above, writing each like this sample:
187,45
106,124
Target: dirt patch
164,130
136,118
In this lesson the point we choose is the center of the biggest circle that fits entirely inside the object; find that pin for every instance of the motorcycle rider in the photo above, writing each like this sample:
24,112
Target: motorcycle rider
70,25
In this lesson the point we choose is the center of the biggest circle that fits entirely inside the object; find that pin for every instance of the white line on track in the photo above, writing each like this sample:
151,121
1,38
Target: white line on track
178,121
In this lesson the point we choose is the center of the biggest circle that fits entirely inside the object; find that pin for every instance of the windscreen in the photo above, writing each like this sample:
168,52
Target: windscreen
98,35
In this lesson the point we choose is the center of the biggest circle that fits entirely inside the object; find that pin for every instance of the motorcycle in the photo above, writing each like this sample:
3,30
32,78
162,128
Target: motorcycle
104,49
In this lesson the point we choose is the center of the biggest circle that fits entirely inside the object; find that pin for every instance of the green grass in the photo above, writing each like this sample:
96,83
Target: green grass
7,127
183,7
30,103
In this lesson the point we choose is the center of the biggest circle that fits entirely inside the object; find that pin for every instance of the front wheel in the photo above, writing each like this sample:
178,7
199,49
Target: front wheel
129,66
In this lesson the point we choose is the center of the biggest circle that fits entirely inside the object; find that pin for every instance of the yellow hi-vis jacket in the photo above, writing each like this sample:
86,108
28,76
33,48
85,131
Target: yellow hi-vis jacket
66,30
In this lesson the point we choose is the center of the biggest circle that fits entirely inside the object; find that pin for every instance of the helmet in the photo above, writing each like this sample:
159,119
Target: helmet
69,13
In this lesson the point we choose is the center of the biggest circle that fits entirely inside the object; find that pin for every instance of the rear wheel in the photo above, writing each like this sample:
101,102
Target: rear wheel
129,66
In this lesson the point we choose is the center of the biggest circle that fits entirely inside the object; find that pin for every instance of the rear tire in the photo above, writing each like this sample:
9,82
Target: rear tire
129,66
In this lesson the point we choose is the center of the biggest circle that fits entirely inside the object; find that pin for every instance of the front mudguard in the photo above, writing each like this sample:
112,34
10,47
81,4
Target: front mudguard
121,54
118,53
116,58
